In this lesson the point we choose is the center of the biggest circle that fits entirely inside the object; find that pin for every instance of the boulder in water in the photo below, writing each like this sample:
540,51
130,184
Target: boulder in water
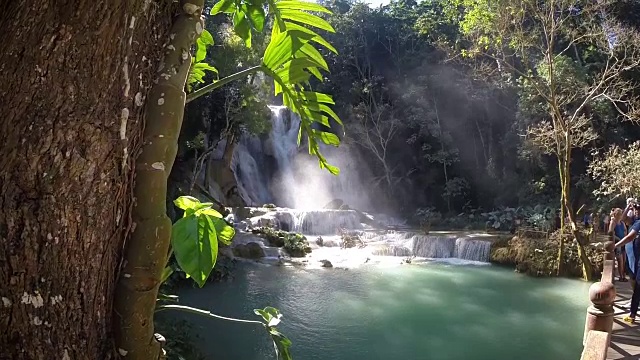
319,241
251,250
326,263
334,204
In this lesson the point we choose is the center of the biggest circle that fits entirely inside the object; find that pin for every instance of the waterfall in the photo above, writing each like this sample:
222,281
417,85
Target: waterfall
473,249
428,246
272,168
436,247
249,175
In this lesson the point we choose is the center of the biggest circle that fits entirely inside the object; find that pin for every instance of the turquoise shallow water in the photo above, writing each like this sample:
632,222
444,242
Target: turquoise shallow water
429,311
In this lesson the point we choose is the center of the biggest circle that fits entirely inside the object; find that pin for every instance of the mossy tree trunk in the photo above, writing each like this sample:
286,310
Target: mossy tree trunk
147,249
565,176
73,76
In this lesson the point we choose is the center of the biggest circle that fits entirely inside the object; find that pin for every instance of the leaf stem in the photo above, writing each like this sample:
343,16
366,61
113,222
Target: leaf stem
193,310
214,85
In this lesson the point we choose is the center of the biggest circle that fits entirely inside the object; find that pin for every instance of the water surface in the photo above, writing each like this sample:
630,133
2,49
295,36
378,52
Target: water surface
427,311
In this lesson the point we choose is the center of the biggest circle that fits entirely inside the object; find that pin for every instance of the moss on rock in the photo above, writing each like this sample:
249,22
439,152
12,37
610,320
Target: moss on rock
296,245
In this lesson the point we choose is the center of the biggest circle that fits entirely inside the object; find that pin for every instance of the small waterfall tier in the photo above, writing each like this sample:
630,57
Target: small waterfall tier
330,224
311,222
430,246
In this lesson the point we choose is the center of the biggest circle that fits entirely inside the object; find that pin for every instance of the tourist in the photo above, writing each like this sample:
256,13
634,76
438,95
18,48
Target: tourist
631,238
607,219
629,216
619,232
588,217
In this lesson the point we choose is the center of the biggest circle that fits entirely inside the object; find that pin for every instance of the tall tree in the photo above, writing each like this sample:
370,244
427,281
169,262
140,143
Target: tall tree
542,46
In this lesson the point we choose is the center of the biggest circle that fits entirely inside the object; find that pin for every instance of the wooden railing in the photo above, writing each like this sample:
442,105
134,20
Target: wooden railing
599,323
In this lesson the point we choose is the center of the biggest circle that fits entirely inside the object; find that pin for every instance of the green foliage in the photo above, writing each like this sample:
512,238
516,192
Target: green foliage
617,172
195,238
198,68
296,245
291,59
539,217
271,317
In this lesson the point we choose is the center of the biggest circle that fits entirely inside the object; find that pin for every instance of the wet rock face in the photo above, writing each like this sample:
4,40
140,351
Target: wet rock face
251,250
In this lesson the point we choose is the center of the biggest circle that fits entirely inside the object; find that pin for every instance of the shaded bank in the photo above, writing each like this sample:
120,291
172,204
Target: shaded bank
538,256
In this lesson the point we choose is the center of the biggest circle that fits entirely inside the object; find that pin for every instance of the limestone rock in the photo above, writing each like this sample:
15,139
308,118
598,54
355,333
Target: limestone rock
326,263
251,250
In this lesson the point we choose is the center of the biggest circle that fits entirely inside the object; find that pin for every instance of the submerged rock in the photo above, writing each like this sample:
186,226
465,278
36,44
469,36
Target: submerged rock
251,250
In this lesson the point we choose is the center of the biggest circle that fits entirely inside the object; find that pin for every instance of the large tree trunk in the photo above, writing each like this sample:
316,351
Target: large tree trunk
74,76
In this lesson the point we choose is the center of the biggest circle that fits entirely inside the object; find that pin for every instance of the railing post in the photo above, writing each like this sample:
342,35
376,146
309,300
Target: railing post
602,295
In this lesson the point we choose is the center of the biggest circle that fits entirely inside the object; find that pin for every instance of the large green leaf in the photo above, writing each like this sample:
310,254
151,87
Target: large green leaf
255,13
301,5
190,204
327,138
317,97
305,19
224,231
313,35
195,246
241,26
204,40
223,6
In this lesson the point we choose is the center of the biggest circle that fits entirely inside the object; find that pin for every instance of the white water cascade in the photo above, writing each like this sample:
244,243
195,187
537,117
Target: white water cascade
272,168
329,223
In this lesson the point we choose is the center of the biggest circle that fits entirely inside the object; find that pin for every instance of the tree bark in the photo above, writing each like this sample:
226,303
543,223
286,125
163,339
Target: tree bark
565,176
75,74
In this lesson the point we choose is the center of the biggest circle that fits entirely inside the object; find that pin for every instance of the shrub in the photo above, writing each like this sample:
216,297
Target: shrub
296,245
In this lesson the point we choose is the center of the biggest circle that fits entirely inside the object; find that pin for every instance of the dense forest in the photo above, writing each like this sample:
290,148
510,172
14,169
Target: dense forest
442,127
115,111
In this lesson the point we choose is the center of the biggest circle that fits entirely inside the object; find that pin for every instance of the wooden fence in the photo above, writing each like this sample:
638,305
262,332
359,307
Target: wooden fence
599,322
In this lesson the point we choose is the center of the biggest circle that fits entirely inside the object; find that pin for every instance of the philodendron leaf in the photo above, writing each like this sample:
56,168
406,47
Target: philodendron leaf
195,245
190,204
224,231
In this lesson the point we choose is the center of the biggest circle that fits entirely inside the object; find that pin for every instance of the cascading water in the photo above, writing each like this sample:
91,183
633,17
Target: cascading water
249,175
329,223
473,249
272,168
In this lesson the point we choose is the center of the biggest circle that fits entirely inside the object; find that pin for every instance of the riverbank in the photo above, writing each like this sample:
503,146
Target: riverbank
538,257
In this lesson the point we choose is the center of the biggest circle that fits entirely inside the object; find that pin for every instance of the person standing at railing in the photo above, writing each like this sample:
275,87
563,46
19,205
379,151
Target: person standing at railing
632,238
619,230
